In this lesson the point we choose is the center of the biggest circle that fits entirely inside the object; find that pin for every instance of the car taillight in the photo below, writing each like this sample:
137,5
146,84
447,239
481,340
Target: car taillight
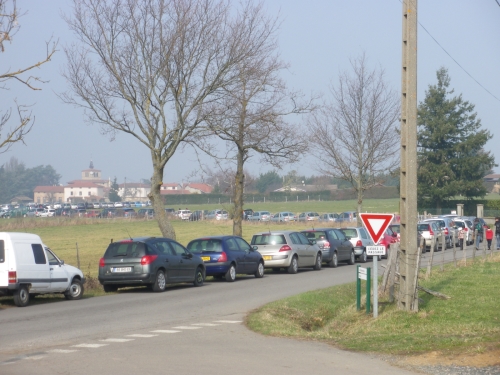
466,229
102,262
326,245
431,232
359,243
148,259
12,277
223,257
446,231
285,248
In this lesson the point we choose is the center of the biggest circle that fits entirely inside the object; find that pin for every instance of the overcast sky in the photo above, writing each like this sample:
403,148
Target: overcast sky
317,38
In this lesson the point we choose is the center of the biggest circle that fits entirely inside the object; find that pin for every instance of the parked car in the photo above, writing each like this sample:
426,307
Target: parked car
217,215
308,216
287,249
108,212
48,212
92,213
396,228
29,268
468,229
184,214
148,213
260,216
283,216
196,215
347,216
170,211
334,245
127,205
150,261
227,256
430,231
329,217
247,213
389,237
118,205
97,205
448,228
359,238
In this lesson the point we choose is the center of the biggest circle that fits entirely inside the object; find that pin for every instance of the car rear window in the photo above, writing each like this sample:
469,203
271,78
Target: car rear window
315,235
127,249
204,245
268,239
422,227
349,232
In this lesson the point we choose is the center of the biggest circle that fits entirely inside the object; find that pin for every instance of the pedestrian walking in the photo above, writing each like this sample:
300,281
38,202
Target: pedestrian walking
497,231
461,234
489,236
479,232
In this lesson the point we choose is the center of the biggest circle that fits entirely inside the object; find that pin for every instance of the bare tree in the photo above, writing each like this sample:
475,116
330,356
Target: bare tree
147,68
253,115
9,25
356,134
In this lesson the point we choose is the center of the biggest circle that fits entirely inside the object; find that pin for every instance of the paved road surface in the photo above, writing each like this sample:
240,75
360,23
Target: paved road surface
184,330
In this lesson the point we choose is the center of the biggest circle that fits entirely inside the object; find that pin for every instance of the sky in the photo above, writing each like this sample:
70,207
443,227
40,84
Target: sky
317,38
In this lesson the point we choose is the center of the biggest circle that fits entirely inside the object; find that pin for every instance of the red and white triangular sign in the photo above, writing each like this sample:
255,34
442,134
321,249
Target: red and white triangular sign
376,224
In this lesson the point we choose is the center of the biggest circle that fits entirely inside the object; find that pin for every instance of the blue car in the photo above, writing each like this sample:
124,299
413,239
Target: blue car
227,256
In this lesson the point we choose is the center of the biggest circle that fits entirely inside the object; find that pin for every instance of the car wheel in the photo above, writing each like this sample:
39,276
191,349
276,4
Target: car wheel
231,273
317,264
260,270
160,282
22,296
199,277
110,288
75,290
352,259
363,257
335,260
294,266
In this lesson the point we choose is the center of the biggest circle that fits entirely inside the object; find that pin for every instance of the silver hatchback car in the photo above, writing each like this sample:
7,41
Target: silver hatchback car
360,240
287,249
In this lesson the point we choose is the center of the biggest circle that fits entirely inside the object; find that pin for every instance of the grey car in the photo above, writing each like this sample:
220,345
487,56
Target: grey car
448,227
283,217
149,261
334,245
360,240
287,249
329,217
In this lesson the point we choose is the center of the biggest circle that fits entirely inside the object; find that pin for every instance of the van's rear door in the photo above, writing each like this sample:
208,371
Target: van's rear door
4,271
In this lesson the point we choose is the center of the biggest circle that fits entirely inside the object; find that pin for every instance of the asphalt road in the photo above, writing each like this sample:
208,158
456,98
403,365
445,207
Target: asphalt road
184,330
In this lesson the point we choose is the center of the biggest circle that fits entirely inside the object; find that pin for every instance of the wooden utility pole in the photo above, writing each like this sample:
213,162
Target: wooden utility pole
408,267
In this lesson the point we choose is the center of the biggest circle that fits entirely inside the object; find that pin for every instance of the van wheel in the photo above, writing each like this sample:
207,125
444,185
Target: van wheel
22,296
75,290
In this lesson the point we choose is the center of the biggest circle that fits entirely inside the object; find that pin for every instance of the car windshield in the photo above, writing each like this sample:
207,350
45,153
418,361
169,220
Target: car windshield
349,232
205,245
315,235
268,239
129,249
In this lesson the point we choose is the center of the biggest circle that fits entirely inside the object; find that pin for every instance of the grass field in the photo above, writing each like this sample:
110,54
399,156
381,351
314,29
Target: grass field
469,322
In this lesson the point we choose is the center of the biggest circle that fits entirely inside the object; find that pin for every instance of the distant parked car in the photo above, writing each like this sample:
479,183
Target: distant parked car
247,213
348,216
217,215
329,217
148,213
184,214
430,231
468,229
196,215
283,216
334,245
118,204
448,227
308,216
260,216
227,256
287,249
154,262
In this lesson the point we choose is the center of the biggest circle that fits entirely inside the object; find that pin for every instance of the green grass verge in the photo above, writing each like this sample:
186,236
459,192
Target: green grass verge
469,321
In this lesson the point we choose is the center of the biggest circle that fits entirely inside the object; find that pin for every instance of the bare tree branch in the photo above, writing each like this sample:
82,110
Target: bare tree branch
356,133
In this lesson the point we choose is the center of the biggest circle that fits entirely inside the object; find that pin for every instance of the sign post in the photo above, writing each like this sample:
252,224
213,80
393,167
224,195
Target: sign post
363,274
376,225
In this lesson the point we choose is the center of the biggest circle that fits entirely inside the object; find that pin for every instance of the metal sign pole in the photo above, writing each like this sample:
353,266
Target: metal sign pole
375,286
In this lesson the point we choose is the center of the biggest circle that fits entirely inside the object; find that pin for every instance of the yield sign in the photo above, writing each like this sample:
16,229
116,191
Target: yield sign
376,224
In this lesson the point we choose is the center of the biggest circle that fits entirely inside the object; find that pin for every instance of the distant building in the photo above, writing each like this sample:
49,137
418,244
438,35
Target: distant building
199,188
132,191
48,194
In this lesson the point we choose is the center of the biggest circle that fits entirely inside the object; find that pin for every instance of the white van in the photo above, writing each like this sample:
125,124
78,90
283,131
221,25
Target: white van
27,267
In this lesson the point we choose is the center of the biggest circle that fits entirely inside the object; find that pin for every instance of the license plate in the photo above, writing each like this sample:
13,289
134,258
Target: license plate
121,269
205,259
268,257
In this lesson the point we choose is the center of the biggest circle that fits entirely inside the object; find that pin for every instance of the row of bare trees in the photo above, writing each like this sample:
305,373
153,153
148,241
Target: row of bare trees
195,73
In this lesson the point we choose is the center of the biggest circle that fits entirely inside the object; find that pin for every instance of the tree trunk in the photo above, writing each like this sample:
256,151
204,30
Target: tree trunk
239,185
360,200
154,196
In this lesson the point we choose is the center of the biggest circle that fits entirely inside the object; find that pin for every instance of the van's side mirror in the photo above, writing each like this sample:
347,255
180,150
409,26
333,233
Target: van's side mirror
255,247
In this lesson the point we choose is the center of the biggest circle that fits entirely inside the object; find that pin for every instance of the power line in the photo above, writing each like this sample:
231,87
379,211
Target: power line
456,62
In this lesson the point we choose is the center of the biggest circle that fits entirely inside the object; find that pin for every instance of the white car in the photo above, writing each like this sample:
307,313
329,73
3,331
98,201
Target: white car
48,212
27,267
184,214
